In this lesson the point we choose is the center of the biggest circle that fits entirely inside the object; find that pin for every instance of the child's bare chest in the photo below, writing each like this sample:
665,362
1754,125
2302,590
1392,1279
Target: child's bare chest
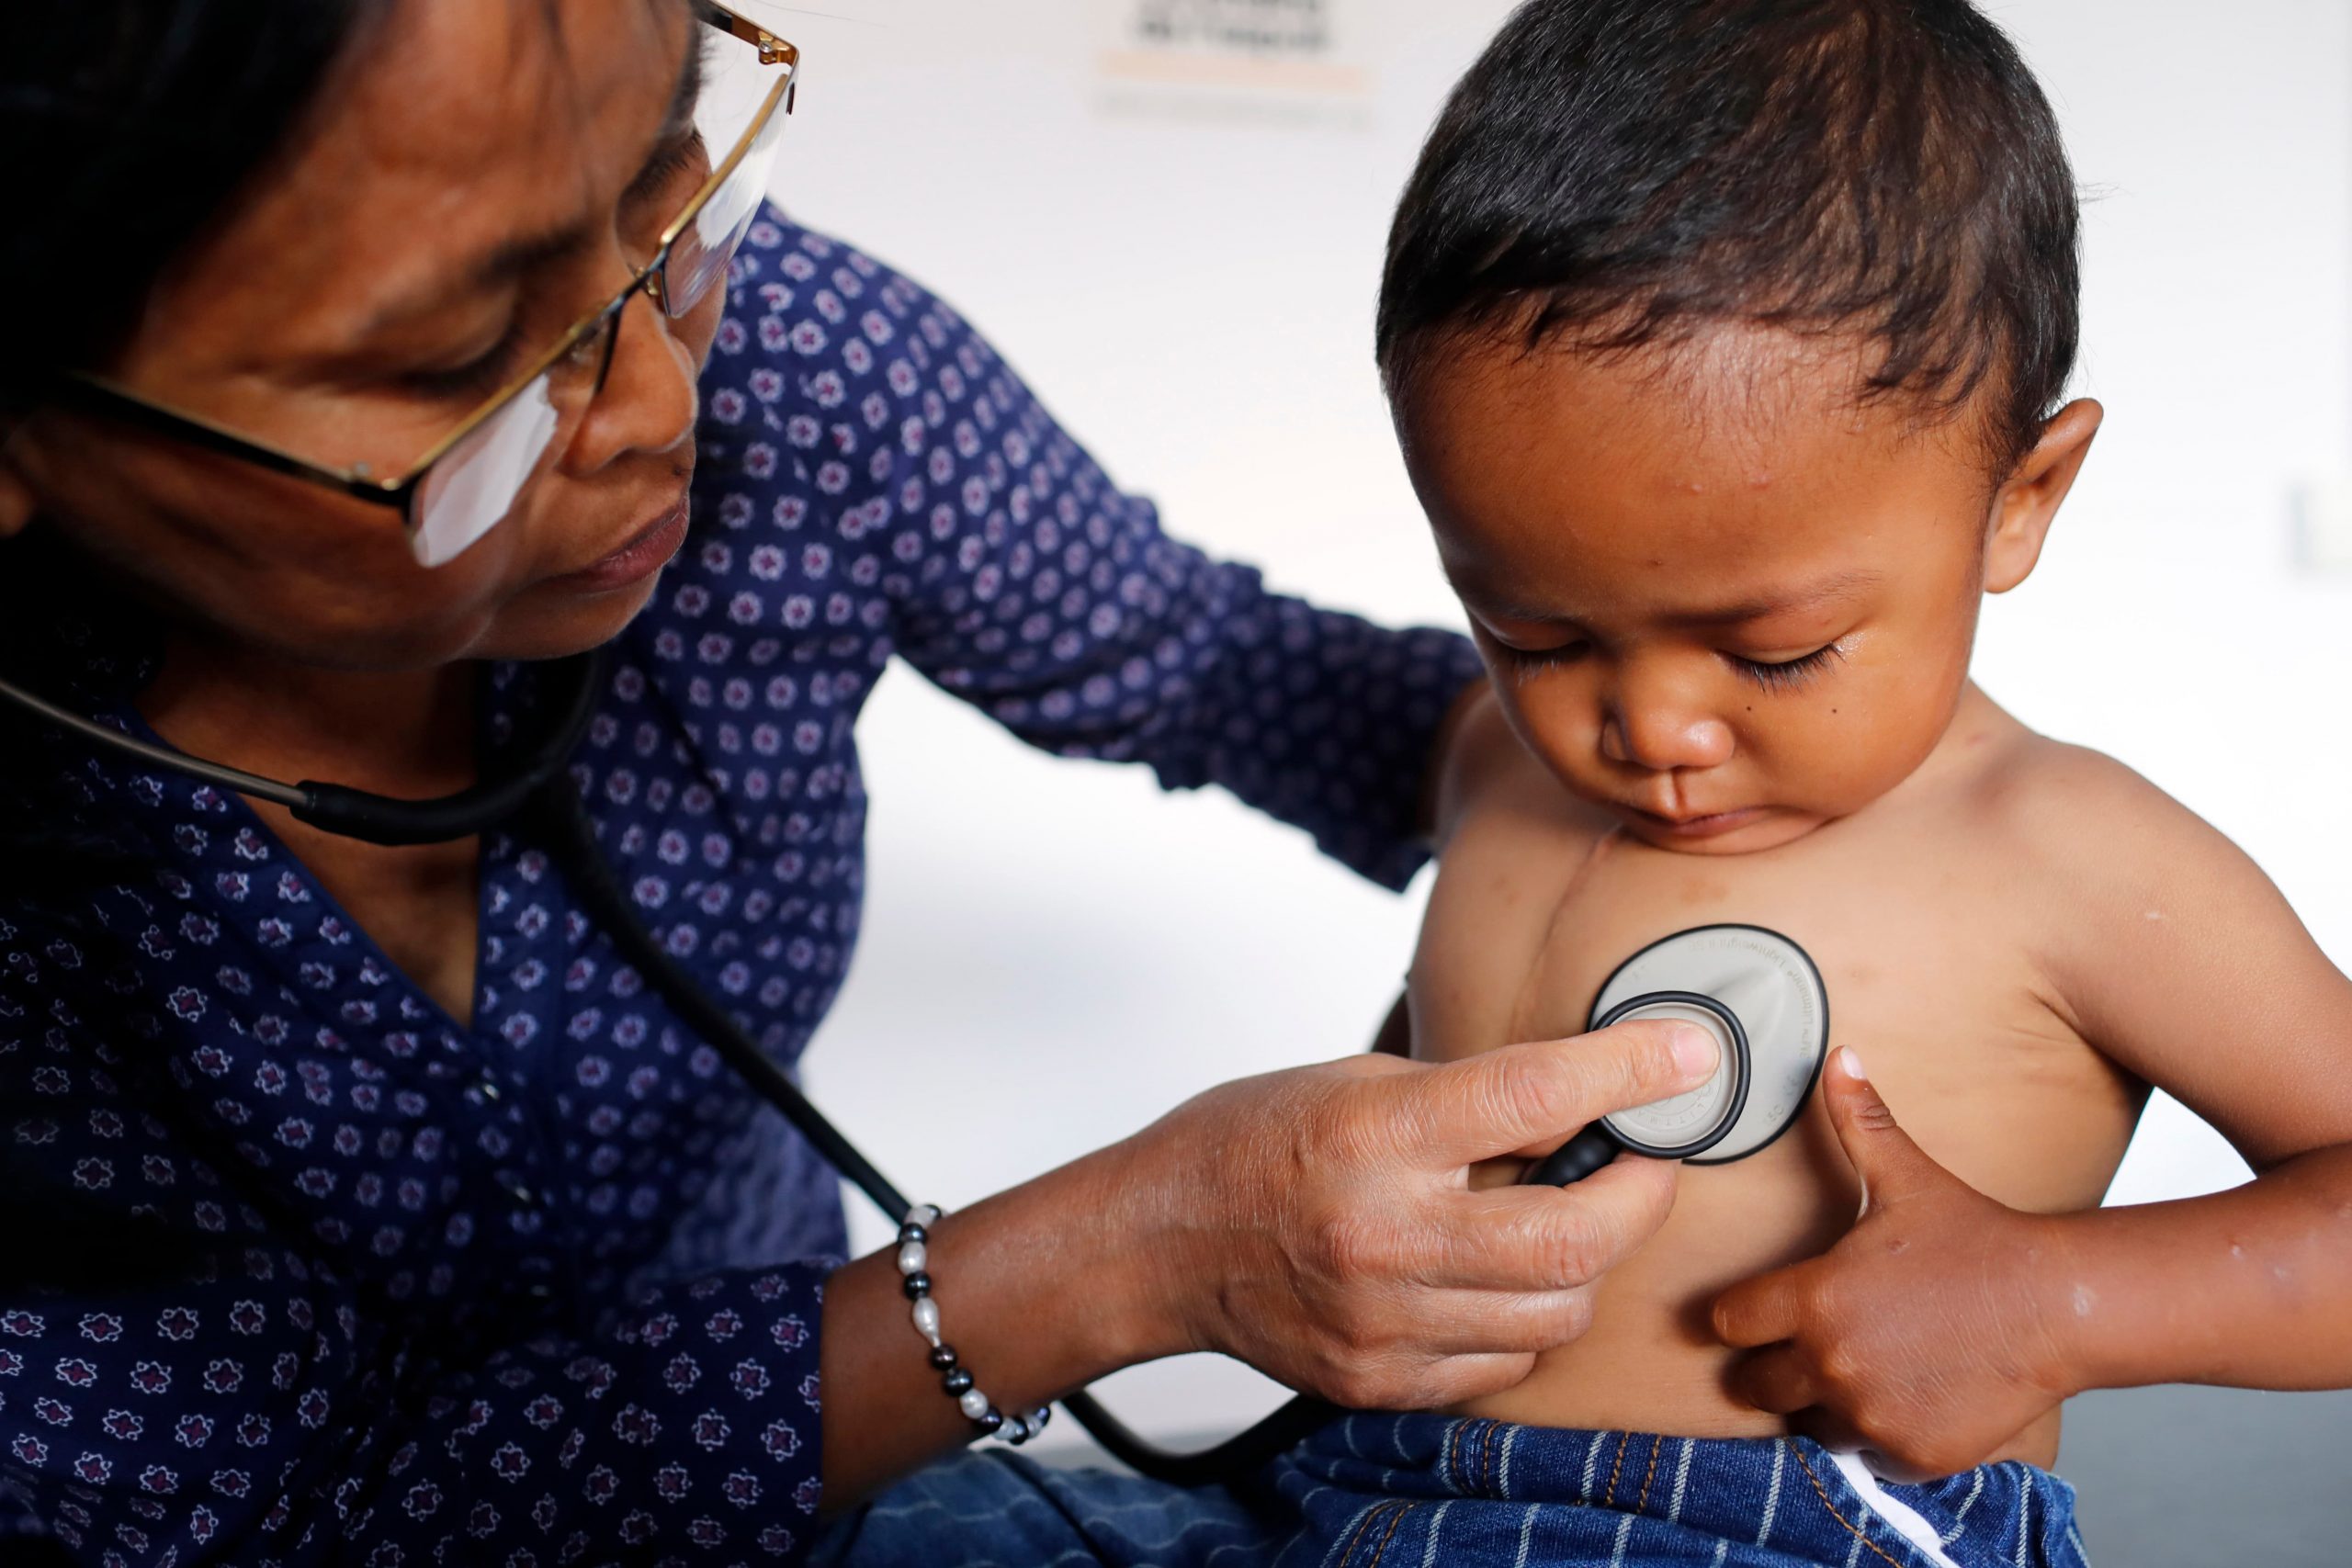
1926,951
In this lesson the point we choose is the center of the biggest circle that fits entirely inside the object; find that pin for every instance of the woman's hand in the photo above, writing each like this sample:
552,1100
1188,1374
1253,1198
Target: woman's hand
1921,1339
1318,1223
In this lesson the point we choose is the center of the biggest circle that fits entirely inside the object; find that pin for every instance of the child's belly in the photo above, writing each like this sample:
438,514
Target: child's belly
1650,1362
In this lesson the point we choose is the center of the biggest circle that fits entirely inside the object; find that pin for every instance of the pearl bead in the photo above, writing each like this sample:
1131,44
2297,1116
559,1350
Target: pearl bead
944,1357
924,1214
914,1233
927,1317
957,1381
973,1403
916,1285
989,1422
913,1258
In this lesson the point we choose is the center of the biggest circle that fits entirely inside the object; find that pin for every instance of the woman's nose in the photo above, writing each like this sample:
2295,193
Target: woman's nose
648,402
1647,723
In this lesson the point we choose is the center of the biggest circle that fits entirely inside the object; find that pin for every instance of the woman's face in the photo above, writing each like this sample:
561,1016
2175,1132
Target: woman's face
481,176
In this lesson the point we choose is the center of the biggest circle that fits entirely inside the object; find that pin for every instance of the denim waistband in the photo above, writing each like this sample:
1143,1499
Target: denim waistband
1785,1493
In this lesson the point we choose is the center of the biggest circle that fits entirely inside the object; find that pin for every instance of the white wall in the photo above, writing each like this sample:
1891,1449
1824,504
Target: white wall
1055,955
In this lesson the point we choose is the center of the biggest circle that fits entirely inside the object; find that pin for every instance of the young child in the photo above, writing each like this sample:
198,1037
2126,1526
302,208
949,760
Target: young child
1727,342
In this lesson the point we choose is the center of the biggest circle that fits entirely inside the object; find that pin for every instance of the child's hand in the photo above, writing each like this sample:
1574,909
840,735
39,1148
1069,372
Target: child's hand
1919,1339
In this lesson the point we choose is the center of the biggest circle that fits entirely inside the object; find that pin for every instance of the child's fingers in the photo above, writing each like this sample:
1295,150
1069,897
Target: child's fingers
1892,1168
1775,1380
1763,1311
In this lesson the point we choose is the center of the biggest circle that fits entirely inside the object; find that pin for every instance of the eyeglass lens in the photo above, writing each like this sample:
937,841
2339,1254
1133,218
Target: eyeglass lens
473,485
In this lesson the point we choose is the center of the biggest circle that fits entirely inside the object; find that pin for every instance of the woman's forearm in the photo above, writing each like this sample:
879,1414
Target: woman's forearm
2247,1288
1040,1289
1314,1223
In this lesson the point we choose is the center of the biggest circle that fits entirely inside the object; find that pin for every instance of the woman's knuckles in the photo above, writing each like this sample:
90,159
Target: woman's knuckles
1523,1092
1362,1244
1349,1129
1569,1250
1572,1318
1360,1388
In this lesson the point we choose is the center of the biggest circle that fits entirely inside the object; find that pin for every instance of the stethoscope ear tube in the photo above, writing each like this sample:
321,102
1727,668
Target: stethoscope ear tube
383,820
540,789
358,813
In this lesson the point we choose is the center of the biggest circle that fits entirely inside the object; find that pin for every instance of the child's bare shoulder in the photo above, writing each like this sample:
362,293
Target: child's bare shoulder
2065,811
2127,894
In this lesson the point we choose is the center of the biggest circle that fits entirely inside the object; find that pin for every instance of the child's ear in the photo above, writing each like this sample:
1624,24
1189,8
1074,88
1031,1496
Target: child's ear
2026,505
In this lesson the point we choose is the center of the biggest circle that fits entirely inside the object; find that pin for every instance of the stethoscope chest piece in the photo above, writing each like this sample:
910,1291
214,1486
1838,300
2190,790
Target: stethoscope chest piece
1760,996
1766,988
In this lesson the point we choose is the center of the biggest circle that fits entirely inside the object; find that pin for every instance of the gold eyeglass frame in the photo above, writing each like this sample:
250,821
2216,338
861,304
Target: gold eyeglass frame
97,394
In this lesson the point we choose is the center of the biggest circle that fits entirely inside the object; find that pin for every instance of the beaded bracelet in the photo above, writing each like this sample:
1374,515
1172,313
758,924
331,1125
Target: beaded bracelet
914,1259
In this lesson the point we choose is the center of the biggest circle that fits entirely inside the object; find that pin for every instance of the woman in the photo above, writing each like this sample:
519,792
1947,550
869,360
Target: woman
365,1203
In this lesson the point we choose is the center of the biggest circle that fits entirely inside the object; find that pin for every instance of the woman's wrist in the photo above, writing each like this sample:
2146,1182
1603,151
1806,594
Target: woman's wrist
1141,1278
1077,1241
1039,1290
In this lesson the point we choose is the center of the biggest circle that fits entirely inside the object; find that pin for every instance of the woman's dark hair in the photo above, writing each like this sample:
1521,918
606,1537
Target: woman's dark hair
125,126
1612,170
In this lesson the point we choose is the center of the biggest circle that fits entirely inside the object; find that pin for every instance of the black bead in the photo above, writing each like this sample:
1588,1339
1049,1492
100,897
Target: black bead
944,1357
1020,1432
912,1232
1039,1416
957,1381
917,1285
990,1421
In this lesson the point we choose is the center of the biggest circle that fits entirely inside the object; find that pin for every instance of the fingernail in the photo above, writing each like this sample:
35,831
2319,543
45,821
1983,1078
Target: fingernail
1852,1064
1695,1052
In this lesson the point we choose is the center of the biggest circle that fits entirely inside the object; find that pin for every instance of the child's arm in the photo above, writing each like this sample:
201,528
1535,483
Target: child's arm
1945,1322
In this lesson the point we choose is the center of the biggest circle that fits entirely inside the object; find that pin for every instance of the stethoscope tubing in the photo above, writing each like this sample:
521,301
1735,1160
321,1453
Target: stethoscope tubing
539,789
559,813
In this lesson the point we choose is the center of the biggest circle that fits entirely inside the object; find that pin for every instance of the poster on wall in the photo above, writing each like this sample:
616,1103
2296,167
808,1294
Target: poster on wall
1239,60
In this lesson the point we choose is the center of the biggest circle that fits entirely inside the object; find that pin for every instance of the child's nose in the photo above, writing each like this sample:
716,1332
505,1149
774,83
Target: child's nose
1651,727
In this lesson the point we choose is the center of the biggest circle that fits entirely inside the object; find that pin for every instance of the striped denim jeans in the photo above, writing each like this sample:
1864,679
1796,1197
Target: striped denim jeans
1417,1491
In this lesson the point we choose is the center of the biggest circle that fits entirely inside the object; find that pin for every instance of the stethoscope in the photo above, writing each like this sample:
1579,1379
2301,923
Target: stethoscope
1756,991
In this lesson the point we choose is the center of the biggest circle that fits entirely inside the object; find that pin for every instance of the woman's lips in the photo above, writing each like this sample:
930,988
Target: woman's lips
646,552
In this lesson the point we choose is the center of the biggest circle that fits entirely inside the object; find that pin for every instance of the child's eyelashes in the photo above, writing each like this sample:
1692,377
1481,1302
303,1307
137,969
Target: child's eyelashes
1533,660
1773,675
1787,675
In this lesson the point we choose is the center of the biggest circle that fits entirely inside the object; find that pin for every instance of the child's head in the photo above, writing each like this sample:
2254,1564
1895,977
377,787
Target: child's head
1725,337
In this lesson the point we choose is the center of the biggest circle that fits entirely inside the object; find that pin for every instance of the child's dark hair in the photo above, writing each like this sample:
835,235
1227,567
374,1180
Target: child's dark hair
1612,170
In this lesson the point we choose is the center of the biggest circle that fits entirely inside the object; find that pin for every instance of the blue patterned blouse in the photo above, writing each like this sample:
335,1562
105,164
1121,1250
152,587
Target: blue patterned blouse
301,1268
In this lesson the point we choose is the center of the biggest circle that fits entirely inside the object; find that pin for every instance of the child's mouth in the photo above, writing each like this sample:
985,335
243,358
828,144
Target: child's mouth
1711,825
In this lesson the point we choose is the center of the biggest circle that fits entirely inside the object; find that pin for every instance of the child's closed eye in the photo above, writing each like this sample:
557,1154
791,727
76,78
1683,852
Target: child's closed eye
1786,674
1530,660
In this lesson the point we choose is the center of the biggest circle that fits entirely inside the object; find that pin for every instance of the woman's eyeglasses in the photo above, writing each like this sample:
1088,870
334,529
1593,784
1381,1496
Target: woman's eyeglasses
466,483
